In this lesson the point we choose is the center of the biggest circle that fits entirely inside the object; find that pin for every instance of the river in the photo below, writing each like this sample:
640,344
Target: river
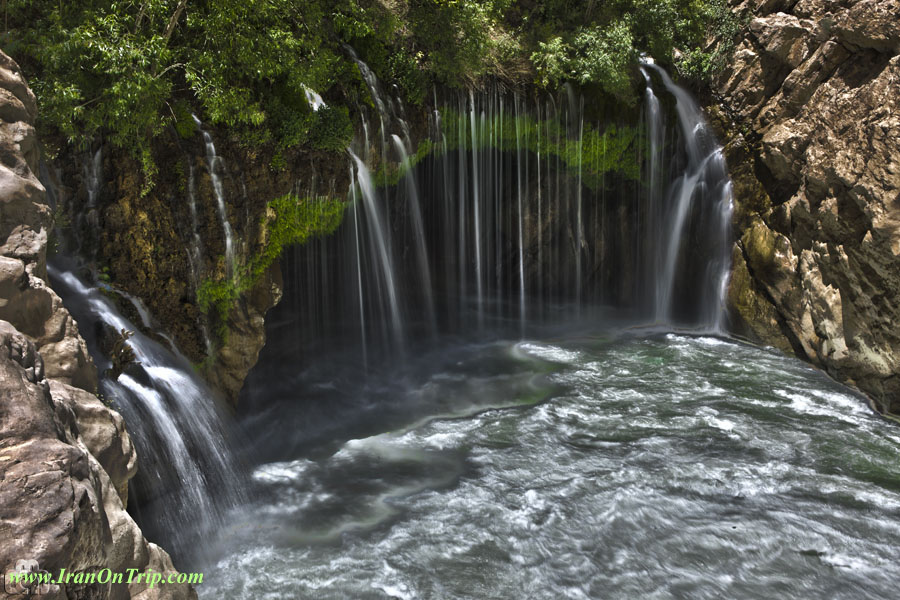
590,464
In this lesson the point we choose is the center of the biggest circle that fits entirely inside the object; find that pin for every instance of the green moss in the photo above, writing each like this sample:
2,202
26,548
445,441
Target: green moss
278,162
615,149
390,173
290,221
215,298
295,221
597,152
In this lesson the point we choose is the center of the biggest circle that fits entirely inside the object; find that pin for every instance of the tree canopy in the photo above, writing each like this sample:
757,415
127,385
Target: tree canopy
125,69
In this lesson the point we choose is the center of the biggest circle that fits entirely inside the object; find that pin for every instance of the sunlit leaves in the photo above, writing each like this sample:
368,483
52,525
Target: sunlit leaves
116,67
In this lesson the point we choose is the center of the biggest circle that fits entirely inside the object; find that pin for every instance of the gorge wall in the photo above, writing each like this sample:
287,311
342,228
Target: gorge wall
810,107
161,245
65,457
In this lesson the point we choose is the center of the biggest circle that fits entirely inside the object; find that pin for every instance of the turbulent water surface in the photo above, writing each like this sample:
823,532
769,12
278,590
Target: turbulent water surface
579,466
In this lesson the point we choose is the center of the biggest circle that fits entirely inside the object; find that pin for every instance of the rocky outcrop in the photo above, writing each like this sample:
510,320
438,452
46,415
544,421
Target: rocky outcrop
65,458
810,106
246,336
161,245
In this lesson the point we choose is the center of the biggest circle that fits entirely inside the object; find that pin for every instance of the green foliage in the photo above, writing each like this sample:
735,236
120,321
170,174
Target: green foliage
605,50
184,120
333,129
604,55
406,70
723,25
455,36
111,67
552,61
126,69
290,220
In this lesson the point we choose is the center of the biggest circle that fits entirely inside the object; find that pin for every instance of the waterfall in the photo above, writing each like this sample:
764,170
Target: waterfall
386,282
92,177
655,202
195,247
187,478
705,181
87,220
214,163
418,232
315,100
528,212
373,84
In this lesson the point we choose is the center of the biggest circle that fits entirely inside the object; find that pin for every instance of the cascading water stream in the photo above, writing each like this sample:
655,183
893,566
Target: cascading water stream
413,201
476,210
92,177
315,100
705,180
88,220
655,207
187,479
372,207
214,164
195,248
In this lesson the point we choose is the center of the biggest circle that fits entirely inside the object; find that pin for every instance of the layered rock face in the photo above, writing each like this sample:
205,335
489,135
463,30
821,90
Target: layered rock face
810,106
162,245
65,457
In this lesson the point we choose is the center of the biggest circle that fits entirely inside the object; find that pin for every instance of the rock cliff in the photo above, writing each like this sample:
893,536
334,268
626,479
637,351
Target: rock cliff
810,107
65,457
162,244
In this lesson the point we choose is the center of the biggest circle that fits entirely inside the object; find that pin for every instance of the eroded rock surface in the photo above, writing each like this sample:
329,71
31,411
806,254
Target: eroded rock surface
162,245
65,457
810,106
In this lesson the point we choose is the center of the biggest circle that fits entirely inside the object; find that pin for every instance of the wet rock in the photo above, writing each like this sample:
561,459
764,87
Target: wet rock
815,84
65,458
246,336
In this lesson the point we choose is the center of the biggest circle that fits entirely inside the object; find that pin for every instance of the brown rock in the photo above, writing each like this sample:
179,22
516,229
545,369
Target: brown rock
870,24
65,458
103,433
816,82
